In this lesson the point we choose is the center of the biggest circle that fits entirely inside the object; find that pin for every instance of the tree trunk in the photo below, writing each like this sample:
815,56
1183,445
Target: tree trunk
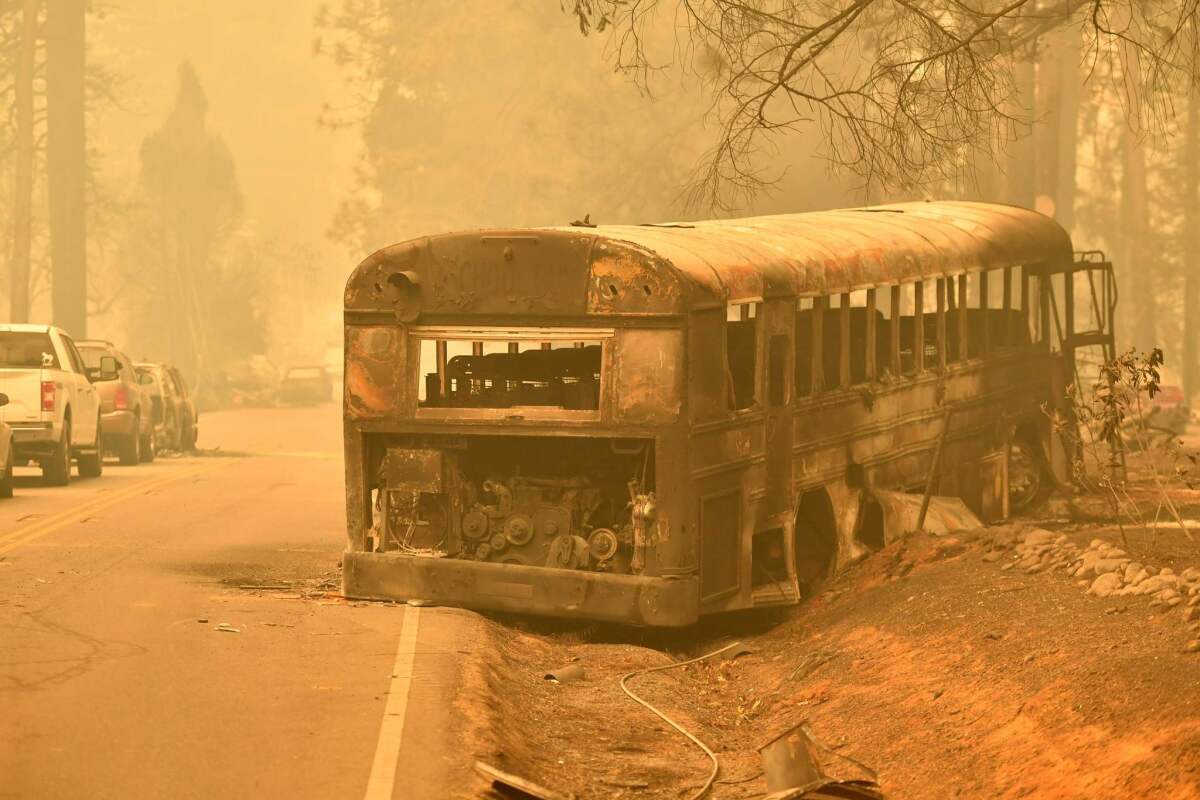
1021,164
66,163
1047,133
22,233
1059,89
1191,250
1139,306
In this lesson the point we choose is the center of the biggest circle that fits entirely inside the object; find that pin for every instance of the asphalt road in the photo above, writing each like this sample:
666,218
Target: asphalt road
115,680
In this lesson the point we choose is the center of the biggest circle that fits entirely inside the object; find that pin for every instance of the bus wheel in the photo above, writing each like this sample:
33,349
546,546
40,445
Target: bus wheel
1024,475
815,541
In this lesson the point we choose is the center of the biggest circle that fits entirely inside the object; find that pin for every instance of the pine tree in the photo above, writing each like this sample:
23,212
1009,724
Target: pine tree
190,302
66,161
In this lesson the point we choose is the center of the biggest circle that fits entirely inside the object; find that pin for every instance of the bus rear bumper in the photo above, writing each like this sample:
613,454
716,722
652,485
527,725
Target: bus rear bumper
633,599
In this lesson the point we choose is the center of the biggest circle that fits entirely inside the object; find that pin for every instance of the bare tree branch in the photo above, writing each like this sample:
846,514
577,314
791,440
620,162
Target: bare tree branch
904,92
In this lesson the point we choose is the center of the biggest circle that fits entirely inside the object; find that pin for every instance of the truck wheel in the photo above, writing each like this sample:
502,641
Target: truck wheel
91,464
56,470
188,443
129,449
6,482
149,446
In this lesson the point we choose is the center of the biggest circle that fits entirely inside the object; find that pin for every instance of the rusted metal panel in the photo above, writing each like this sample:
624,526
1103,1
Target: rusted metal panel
721,537
513,587
358,501
892,439
499,272
628,280
413,469
375,363
837,251
649,370
608,269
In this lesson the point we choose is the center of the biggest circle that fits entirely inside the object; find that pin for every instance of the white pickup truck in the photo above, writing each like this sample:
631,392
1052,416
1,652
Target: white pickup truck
53,408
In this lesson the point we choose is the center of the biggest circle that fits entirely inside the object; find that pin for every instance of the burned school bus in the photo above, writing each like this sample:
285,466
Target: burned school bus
652,423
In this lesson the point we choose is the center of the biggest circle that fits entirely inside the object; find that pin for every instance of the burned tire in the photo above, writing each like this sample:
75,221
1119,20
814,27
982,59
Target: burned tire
187,441
129,449
6,482
149,446
174,435
56,470
91,464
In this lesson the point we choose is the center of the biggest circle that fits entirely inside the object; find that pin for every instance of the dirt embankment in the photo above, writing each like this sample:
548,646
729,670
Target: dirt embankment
947,671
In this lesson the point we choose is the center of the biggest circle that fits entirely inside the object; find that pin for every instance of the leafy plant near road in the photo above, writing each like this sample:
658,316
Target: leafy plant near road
1117,417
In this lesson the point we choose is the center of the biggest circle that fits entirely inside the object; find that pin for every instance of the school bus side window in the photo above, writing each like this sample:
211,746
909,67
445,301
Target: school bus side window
804,347
741,353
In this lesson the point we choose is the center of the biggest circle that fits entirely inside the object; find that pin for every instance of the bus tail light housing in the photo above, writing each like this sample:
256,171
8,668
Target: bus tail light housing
374,360
49,395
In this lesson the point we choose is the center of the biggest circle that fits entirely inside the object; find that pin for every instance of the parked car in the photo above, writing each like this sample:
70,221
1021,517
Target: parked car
53,406
175,417
162,408
186,407
125,413
252,382
6,453
305,386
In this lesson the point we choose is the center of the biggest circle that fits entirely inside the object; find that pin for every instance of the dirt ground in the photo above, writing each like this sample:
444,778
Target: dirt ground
946,674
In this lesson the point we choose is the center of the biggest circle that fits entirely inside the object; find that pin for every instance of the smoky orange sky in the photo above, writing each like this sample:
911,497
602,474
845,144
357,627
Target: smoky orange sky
265,89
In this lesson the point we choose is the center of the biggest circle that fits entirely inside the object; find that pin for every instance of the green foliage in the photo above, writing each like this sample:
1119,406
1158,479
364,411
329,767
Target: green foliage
1115,419
1118,389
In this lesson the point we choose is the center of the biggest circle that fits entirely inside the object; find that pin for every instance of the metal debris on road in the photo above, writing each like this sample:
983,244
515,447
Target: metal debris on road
794,772
789,761
510,786
227,628
831,790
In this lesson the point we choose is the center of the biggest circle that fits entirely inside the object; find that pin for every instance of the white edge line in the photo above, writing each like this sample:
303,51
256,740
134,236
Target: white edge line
391,732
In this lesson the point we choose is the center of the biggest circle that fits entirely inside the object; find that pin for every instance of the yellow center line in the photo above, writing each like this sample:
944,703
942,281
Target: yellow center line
29,533
87,505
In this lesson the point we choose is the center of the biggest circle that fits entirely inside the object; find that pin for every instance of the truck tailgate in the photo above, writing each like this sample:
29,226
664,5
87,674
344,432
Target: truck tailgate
24,390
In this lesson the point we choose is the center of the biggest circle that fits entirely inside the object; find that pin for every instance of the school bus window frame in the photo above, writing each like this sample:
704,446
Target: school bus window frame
757,403
440,334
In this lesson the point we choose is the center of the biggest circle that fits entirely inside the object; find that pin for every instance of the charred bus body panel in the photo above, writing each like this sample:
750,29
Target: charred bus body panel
650,423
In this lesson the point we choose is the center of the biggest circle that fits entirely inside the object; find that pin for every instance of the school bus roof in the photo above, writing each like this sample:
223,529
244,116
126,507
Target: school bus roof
848,249
668,268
